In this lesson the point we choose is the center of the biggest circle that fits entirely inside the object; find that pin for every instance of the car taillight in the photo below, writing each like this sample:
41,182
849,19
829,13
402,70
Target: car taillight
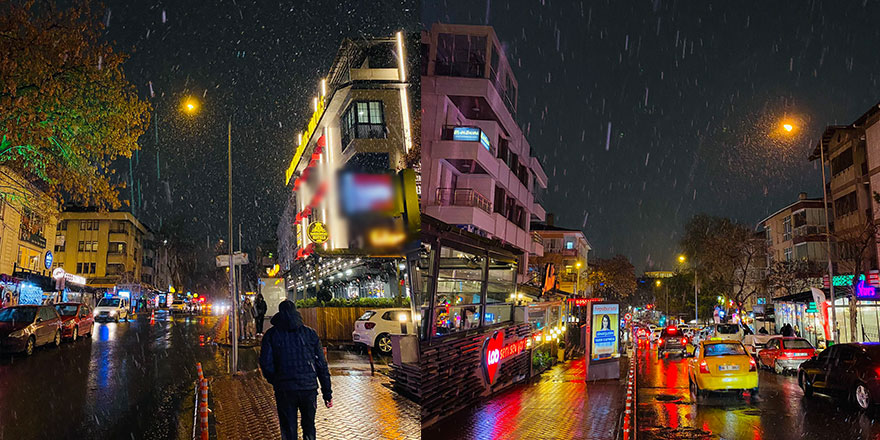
752,365
704,369
369,325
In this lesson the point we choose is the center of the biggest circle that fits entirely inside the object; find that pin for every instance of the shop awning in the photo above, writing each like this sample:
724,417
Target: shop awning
800,297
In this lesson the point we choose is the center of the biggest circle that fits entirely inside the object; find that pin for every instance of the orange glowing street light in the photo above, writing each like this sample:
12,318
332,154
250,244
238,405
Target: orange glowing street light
788,127
190,105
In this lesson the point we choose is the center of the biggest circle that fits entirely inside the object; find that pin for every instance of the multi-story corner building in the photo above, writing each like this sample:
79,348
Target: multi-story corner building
852,156
360,125
112,250
567,249
478,171
28,217
796,232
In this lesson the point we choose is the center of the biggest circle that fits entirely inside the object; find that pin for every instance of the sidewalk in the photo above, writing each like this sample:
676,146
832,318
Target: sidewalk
244,408
560,405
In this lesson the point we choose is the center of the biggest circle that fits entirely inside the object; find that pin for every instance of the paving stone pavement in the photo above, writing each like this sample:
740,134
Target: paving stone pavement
561,405
363,408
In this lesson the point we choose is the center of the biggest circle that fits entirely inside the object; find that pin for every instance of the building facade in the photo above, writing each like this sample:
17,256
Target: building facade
478,171
796,232
350,162
28,217
112,250
567,249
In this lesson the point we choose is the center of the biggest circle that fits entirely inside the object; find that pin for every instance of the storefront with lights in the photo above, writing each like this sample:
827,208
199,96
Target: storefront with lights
476,333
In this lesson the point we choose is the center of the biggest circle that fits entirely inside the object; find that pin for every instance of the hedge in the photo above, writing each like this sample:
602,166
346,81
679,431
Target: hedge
379,303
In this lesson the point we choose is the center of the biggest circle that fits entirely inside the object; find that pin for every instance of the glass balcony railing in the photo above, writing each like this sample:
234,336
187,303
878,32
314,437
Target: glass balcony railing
462,197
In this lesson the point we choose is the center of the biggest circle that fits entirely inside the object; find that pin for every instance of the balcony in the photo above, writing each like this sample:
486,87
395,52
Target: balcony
115,258
462,197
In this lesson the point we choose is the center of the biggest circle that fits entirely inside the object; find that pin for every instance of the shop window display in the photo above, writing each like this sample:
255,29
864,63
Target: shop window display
459,285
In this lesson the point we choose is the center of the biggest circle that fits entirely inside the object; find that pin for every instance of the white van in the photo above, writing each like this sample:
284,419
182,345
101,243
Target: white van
726,331
111,309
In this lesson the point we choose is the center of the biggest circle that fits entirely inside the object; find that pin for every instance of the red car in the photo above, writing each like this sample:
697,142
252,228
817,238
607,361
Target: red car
76,320
785,353
23,328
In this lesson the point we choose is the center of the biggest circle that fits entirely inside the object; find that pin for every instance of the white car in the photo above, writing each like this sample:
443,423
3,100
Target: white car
755,343
111,309
726,331
178,306
374,327
655,334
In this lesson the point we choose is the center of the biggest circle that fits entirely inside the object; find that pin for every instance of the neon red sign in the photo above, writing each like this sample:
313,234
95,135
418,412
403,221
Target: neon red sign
582,301
494,351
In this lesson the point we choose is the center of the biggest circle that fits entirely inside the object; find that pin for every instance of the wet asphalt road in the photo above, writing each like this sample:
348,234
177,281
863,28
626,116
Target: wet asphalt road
666,409
124,382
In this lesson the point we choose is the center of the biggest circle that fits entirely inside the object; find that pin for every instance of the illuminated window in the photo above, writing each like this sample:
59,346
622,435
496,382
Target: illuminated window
569,245
363,120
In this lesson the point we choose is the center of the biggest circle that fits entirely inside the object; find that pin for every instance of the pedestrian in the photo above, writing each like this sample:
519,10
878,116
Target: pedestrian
762,331
786,330
247,318
260,308
292,360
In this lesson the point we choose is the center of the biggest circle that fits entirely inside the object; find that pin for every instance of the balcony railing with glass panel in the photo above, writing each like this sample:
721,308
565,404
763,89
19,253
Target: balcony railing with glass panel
462,197
807,230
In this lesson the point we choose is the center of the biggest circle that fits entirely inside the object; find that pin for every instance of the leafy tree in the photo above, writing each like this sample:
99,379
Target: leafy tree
787,277
613,278
68,111
726,254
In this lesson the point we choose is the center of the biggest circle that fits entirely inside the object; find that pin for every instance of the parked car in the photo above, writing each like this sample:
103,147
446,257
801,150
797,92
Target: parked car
721,365
374,327
785,353
111,309
76,320
720,332
849,371
26,327
672,339
655,334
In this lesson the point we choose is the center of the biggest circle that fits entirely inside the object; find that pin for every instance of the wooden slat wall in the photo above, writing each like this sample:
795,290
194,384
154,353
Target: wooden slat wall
333,324
450,378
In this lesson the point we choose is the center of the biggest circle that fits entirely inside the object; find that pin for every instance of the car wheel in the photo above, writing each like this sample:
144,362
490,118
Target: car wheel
778,368
862,396
75,334
805,385
29,346
384,343
57,341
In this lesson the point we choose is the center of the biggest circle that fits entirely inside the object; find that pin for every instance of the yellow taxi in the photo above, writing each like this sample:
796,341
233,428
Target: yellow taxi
722,365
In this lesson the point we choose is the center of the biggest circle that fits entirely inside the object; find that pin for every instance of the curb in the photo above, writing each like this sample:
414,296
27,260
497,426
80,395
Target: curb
630,427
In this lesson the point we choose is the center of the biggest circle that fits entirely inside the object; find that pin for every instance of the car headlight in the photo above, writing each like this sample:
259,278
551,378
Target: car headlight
69,324
18,333
113,313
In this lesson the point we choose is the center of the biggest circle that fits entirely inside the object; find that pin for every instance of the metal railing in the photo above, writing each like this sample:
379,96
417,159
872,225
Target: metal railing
462,197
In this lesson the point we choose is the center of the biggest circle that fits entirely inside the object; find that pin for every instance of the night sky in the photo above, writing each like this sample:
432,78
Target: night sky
259,61
693,92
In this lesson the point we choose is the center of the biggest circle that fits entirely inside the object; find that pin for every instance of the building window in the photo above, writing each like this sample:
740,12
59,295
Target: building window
88,225
461,55
62,225
846,205
115,269
85,268
786,228
569,245
87,246
59,247
118,227
116,248
841,162
788,254
363,120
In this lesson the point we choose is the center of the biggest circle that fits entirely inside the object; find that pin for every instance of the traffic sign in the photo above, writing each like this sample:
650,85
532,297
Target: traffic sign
239,258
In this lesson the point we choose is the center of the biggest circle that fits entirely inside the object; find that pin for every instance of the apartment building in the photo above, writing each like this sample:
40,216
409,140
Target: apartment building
796,232
478,171
28,217
112,250
852,157
567,249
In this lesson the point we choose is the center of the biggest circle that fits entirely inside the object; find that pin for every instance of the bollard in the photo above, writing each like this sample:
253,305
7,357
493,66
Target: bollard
199,370
372,367
203,408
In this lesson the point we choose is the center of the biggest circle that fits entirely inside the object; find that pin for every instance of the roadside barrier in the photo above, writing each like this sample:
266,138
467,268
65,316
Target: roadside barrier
629,415
203,408
199,370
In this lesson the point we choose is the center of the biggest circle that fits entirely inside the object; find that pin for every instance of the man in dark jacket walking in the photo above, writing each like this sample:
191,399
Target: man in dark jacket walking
260,308
292,360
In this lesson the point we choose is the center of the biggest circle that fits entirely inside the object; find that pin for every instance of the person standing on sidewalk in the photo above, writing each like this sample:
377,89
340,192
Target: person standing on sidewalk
247,317
292,360
260,308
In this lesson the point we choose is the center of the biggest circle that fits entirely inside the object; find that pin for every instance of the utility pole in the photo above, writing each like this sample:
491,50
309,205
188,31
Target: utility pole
234,320
834,329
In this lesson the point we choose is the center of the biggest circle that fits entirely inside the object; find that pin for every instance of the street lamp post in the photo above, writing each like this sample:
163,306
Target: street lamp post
191,106
577,286
834,328
682,259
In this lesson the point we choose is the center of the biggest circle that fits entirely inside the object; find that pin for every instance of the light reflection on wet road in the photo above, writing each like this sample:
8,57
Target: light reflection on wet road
667,410
124,382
